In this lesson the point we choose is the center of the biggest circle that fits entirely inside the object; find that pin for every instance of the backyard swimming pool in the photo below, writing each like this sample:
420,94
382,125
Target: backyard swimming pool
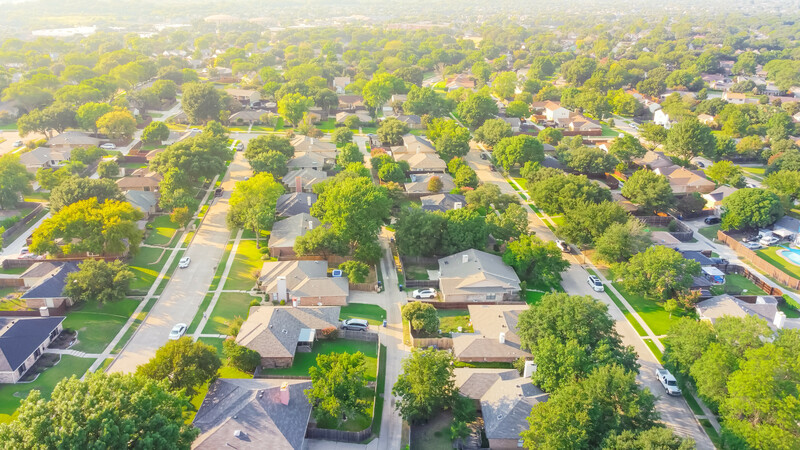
790,255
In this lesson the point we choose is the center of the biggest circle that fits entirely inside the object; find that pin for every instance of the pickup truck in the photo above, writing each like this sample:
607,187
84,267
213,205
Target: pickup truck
668,381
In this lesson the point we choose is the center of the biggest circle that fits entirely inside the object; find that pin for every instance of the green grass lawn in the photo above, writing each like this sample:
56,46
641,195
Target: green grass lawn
710,232
229,305
451,319
12,394
755,172
417,272
248,260
147,272
303,361
97,324
221,267
162,231
608,131
9,126
374,314
651,311
13,270
327,126
770,254
735,285
224,372
199,315
558,220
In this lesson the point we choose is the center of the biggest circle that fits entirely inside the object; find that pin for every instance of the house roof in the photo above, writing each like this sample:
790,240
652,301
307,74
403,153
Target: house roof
422,161
735,95
474,271
303,279
247,114
20,337
341,81
308,144
73,139
355,100
654,160
140,178
489,321
41,269
787,223
552,106
419,183
240,92
52,286
253,407
285,232
721,192
410,119
506,399
442,202
310,159
697,256
725,305
273,331
415,144
682,178
362,116
295,203
664,238
309,176
41,155
141,200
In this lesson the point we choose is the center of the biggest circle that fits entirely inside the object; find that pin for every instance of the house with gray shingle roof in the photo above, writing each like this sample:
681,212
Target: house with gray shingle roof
22,342
422,162
285,232
253,414
49,290
495,337
765,308
504,399
443,202
414,144
44,158
418,186
275,332
306,177
293,204
307,282
73,139
473,275
144,201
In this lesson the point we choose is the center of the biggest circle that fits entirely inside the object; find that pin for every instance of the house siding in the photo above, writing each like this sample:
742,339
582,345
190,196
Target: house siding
503,444
276,363
56,302
500,296
14,376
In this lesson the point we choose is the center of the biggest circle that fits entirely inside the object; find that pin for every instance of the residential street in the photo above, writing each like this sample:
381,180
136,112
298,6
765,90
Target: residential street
187,288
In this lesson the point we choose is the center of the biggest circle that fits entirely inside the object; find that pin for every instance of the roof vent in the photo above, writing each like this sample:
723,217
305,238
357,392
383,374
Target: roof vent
284,331
239,434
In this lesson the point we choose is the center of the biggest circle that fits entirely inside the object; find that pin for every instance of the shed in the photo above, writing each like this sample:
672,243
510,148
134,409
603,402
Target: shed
714,275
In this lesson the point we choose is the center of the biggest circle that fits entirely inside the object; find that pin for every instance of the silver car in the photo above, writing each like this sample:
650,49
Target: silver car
177,332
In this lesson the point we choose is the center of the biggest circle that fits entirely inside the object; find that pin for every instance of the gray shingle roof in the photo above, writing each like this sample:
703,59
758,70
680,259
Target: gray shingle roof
273,331
20,337
489,321
52,286
481,273
293,204
286,231
419,183
442,202
254,408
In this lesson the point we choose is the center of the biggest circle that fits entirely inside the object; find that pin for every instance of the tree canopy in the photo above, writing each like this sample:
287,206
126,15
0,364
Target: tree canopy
185,365
425,385
98,280
253,202
658,272
750,208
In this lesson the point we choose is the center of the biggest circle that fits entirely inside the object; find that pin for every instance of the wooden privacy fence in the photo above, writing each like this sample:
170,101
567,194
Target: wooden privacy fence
367,336
743,271
759,262
422,283
12,282
442,343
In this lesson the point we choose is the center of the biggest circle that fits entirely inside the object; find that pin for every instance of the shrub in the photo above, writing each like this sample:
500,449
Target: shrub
328,333
240,357
234,326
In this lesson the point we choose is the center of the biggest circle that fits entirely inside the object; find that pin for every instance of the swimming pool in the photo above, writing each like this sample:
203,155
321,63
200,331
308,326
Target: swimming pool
790,255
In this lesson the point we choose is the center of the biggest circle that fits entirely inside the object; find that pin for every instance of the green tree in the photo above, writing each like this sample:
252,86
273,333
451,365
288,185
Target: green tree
689,138
425,385
651,132
481,71
49,179
512,222
269,143
493,131
108,169
349,153
726,172
518,150
550,136
98,280
421,317
155,133
185,364
74,189
466,177
658,272
240,357
419,233
435,184
201,102
354,207
559,193
626,148
321,241
750,208
586,222
451,140
252,204
591,160
649,190
785,183
181,215
487,195
293,107
464,229
426,101
504,84
534,260
691,204
392,172
392,130
117,124
780,126
89,113
271,162
620,241
336,384
579,70
661,438
356,271
342,136
136,412
14,180
518,109
197,158
476,109
688,340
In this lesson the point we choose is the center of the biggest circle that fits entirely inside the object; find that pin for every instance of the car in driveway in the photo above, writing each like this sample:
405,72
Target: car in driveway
184,262
108,146
712,220
355,325
240,146
424,293
177,332
719,261
596,284
218,192
752,245
766,241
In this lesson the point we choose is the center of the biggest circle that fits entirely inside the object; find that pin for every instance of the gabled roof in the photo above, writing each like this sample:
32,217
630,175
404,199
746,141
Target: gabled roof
309,176
73,139
442,202
415,144
253,407
552,106
355,100
41,269
721,192
474,270
41,155
308,144
295,203
419,183
286,231
247,114
310,160
489,321
273,331
142,200
702,259
422,161
725,305
52,286
20,337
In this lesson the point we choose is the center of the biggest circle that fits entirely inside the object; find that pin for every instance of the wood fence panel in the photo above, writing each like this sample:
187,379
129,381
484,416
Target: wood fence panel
759,262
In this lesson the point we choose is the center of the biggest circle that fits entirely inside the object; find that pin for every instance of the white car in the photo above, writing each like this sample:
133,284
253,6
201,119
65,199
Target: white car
424,293
17,144
177,332
596,284
108,146
752,245
766,241
668,381
184,262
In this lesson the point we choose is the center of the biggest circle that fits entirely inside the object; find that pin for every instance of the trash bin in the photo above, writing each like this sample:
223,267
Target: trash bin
400,287
384,323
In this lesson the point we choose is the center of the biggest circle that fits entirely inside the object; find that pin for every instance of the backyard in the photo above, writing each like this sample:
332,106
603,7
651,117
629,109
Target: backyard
304,361
735,285
451,319
229,306
710,232
770,254
374,314
245,264
97,323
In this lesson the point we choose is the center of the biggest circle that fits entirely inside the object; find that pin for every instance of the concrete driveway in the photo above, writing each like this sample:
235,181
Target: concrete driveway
187,287
12,136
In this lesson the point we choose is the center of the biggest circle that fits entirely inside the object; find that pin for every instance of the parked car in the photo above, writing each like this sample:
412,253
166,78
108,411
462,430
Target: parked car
752,245
17,144
108,146
484,156
700,164
563,246
177,331
766,241
184,262
218,192
596,284
668,381
240,146
355,325
424,293
719,261
712,220
24,251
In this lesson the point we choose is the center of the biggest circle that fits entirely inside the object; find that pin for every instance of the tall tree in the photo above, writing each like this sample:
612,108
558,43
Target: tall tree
587,222
658,272
690,138
336,384
354,207
750,208
649,190
492,131
14,180
155,133
98,280
293,107
392,130
252,204
535,261
620,241
201,102
425,385
476,109
464,229
185,364
76,189
269,143
419,233
726,172
89,113
518,150
117,124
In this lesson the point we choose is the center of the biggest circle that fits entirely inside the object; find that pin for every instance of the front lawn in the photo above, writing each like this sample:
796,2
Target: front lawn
326,126
373,314
97,323
229,305
651,311
12,394
770,254
451,319
304,361
147,265
224,372
247,262
162,231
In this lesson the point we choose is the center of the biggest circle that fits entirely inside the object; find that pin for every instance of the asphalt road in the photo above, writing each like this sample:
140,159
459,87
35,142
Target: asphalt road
187,287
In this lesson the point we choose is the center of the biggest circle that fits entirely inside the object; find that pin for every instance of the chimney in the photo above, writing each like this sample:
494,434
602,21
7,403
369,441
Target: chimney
294,302
780,320
464,258
530,367
285,393
502,338
282,291
44,312
310,225
298,184
457,205
308,200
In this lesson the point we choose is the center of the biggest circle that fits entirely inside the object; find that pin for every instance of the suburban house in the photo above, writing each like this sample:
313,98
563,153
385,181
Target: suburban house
22,342
664,238
443,202
710,274
293,204
49,289
685,181
248,116
144,201
505,401
476,276
362,116
582,124
245,96
418,186
706,119
734,97
412,120
662,118
765,307
495,338
285,232
461,80
304,144
653,160
303,282
339,83
422,162
253,414
141,180
351,102
73,139
44,158
554,111
787,228
714,198
514,123
303,180
277,332
311,160
414,144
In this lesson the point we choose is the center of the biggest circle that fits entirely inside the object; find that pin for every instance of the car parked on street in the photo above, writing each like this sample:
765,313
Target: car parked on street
424,293
668,381
184,262
177,332
108,146
712,220
355,325
218,192
596,284
17,144
563,246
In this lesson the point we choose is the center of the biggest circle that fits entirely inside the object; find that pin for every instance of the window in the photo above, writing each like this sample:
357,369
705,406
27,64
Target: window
491,296
519,443
54,333
37,353
21,369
